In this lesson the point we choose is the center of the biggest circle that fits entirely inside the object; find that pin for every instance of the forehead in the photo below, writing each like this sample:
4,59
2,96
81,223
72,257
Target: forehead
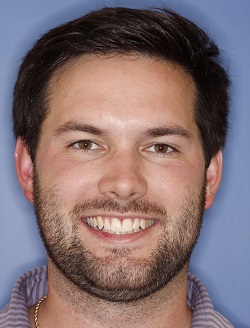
125,86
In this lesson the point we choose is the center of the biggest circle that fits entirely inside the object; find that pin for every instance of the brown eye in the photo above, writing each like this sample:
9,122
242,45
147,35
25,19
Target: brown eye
86,145
162,148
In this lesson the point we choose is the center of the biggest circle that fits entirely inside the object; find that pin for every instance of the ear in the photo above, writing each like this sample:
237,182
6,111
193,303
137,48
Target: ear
24,168
214,174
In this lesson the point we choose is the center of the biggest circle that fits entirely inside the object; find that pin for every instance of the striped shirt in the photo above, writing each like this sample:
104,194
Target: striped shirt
32,285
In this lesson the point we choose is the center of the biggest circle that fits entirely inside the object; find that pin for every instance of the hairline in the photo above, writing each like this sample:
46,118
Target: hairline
69,63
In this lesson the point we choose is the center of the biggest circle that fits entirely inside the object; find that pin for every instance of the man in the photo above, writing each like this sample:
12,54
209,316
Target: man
120,117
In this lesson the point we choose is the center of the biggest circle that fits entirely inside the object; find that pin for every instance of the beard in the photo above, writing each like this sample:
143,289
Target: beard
118,276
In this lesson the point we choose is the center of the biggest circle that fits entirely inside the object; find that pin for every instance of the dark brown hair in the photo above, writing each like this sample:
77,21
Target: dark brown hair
159,34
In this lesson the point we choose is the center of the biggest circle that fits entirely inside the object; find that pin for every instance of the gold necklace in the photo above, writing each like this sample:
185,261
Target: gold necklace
36,310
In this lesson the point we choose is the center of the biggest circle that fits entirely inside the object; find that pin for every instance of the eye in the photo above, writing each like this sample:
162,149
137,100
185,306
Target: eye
86,145
160,148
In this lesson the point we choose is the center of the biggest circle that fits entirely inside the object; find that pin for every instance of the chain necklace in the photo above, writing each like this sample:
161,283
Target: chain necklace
36,310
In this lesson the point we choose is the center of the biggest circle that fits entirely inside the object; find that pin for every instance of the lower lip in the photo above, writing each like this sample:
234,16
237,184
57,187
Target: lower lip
119,238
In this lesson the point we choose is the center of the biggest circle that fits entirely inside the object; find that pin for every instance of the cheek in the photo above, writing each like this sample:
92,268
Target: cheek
173,183
72,179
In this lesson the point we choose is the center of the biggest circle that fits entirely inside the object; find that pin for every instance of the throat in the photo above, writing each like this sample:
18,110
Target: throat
73,308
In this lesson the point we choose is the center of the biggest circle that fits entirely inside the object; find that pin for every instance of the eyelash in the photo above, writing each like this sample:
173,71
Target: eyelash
169,149
75,145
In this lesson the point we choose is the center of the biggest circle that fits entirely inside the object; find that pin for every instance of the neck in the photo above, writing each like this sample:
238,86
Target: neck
66,306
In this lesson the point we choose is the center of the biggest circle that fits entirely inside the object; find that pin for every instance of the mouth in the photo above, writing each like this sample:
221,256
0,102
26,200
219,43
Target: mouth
113,225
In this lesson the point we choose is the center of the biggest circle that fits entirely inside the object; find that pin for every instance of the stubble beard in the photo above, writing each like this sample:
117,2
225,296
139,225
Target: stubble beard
117,277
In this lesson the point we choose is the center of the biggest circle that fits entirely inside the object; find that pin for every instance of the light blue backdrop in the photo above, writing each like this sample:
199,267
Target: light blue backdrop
222,257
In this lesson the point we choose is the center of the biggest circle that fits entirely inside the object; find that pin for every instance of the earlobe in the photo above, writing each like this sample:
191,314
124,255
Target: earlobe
214,175
24,168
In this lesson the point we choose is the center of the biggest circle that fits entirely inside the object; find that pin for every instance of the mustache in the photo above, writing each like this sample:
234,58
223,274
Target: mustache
109,205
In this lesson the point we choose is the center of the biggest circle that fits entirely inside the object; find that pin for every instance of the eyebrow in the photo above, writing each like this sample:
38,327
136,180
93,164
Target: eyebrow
154,132
168,130
74,126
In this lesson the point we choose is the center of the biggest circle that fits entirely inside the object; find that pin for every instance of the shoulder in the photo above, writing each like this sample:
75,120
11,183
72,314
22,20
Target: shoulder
3,316
204,314
28,289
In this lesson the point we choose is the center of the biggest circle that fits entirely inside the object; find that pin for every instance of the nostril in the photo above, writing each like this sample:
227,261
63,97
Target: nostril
110,194
125,184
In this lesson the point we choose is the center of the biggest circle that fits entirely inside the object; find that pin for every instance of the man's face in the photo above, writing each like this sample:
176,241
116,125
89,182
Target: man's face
119,183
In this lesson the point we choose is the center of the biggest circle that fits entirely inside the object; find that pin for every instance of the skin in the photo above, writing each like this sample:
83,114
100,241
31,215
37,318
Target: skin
124,97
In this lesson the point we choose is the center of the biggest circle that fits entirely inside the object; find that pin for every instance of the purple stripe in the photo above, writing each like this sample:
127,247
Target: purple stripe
32,285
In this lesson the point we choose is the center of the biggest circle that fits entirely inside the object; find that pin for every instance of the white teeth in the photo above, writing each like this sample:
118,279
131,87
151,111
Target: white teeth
149,223
143,224
106,225
136,224
94,222
99,222
127,225
115,226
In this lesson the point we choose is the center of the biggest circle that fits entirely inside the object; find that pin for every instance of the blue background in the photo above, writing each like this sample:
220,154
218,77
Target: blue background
222,257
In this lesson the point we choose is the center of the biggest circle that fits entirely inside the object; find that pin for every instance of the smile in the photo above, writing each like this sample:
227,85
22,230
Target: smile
119,227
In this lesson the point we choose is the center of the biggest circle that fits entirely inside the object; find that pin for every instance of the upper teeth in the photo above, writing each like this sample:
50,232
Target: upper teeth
114,225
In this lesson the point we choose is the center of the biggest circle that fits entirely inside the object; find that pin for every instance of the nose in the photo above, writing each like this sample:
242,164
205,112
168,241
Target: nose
123,179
